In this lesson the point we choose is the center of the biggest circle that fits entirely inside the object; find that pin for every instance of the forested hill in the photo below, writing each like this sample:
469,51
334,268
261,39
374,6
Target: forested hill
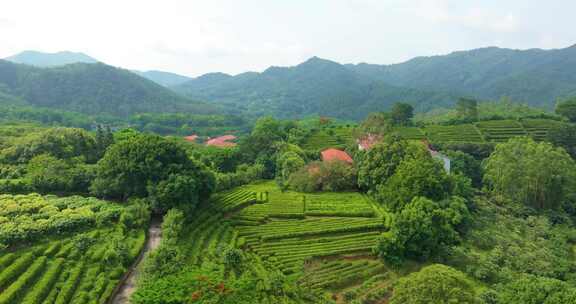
92,89
316,86
163,78
537,77
41,59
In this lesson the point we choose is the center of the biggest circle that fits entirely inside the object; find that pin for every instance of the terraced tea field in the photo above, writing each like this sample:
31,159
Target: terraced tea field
483,131
63,251
334,137
480,132
538,128
325,240
410,133
458,133
501,130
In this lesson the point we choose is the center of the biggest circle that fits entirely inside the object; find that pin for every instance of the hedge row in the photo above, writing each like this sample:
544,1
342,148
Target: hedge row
9,274
70,285
43,286
11,294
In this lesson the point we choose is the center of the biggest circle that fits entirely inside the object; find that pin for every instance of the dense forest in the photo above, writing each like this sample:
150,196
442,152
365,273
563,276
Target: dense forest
315,87
472,204
535,77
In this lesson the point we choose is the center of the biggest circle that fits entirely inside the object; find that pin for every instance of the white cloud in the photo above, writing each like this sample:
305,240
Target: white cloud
474,17
198,36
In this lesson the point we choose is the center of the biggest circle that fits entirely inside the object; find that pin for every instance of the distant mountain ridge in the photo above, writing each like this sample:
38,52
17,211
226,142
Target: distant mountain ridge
535,76
166,79
92,89
351,91
42,59
314,87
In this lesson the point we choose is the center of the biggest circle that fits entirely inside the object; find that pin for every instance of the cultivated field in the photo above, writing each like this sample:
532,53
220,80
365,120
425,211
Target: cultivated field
63,250
480,132
324,240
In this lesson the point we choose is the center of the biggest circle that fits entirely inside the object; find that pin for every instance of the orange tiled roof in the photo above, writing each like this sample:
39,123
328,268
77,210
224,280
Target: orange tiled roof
335,154
222,141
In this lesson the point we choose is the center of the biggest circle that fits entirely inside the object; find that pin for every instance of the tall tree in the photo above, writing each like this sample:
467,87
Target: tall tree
402,113
536,174
567,108
263,143
422,229
420,175
564,136
379,163
149,165
375,124
467,109
104,138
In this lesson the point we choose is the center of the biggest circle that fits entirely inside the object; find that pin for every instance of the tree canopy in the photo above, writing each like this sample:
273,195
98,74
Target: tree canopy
380,162
423,229
467,109
536,174
401,113
149,165
438,284
567,108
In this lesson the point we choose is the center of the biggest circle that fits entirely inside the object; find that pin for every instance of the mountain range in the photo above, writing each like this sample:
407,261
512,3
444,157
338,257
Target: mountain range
535,76
90,88
314,87
317,86
42,59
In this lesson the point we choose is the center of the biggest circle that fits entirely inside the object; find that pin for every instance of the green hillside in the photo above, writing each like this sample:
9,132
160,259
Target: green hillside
480,132
92,89
315,87
535,76
164,78
324,242
490,131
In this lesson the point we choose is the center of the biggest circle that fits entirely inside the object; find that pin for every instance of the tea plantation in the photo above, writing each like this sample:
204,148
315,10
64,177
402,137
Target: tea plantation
64,250
324,240
480,132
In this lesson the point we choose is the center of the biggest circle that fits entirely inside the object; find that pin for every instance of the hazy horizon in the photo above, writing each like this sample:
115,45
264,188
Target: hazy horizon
197,37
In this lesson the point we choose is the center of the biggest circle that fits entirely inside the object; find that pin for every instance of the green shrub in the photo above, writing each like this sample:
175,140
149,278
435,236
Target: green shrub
14,270
70,285
11,294
43,286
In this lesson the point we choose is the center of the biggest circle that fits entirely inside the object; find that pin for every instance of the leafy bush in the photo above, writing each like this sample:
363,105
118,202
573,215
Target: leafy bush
43,286
15,269
243,175
434,284
172,226
18,288
14,186
324,176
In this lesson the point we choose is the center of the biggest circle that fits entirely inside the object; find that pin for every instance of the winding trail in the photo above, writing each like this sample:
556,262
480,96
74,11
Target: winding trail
129,286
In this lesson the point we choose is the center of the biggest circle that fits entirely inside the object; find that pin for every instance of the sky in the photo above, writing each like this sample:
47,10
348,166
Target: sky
194,37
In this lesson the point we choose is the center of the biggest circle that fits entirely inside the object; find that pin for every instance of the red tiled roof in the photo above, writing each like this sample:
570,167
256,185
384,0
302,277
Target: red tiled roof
222,141
192,137
335,154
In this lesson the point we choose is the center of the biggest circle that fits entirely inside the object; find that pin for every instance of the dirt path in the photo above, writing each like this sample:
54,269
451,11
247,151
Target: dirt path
126,291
